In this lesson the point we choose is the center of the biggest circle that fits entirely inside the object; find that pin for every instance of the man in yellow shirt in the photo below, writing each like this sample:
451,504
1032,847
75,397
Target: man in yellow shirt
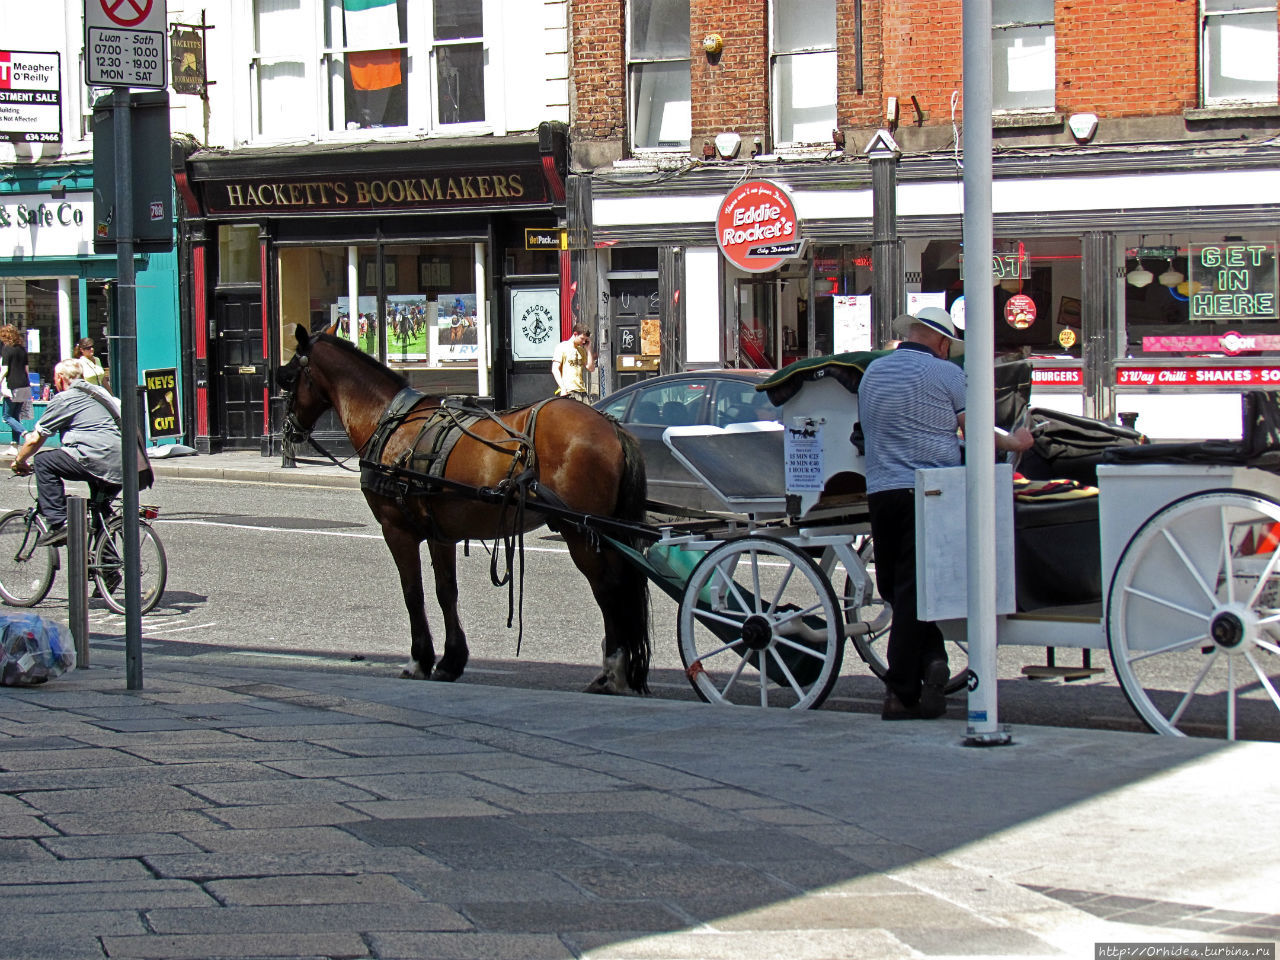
573,360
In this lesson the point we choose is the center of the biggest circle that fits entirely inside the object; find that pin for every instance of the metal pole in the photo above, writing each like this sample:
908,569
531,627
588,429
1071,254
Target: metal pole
127,361
984,728
78,578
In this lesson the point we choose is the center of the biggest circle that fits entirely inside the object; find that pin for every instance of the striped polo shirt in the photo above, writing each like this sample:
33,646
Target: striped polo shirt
908,402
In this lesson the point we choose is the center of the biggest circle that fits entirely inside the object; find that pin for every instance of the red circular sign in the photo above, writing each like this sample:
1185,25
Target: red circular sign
757,227
127,13
1020,311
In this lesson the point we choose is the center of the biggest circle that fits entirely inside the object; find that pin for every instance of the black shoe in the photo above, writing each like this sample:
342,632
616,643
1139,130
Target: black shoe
55,536
933,697
895,709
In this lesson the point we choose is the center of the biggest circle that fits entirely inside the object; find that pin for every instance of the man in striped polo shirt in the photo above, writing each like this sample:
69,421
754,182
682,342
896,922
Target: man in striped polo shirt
911,406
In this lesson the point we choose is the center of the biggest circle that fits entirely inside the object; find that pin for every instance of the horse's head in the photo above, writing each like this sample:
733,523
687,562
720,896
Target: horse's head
307,396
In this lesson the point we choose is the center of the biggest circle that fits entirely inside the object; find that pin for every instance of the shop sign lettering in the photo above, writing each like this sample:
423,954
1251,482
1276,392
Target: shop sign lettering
359,193
1197,376
1057,378
1232,281
33,226
1230,343
757,228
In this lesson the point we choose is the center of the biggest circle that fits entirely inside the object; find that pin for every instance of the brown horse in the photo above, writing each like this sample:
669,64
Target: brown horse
579,455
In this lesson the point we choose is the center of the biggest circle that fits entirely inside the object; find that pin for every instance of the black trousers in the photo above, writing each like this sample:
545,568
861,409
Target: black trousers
51,468
913,643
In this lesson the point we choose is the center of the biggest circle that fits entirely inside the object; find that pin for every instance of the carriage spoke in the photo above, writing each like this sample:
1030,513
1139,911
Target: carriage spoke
1264,577
1263,678
732,585
755,580
1169,648
1186,561
1186,699
791,680
733,677
1227,571
777,596
801,648
731,645
1199,615
764,678
1231,698
1267,645
792,614
713,617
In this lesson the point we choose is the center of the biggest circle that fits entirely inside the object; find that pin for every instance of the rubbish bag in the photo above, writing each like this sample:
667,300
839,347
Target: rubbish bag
32,650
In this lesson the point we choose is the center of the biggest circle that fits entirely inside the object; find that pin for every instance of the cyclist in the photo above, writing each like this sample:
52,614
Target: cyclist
83,413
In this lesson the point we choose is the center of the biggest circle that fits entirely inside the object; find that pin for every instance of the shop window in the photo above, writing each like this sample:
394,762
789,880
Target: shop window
841,301
32,307
1238,51
658,73
239,254
1201,295
803,44
370,63
1023,60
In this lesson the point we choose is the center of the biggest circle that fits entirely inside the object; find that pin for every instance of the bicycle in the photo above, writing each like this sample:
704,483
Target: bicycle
27,570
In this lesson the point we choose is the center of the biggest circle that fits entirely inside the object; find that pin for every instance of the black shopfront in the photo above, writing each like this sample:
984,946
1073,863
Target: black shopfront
415,252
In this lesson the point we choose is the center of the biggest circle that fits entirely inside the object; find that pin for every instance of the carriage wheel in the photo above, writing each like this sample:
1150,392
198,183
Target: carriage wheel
760,625
1193,617
866,604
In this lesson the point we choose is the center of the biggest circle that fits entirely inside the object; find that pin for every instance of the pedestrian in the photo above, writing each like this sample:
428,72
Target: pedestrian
15,383
911,408
92,367
573,360
85,415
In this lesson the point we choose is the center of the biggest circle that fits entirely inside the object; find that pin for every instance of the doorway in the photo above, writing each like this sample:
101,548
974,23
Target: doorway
241,371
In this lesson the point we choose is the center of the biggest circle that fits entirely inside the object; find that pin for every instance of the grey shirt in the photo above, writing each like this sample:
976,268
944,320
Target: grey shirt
89,432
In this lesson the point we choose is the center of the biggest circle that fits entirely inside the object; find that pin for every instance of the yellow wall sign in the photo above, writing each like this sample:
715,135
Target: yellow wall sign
163,419
542,238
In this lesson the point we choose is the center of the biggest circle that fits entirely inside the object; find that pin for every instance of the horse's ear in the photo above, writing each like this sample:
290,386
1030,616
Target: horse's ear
301,335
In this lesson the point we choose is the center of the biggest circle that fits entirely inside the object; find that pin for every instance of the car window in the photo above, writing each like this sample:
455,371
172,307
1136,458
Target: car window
670,404
738,402
617,407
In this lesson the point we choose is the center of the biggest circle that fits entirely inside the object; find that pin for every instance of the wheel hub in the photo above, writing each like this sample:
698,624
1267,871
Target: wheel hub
1227,630
756,632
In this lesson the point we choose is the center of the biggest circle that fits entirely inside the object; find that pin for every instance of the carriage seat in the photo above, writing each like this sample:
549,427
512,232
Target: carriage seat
1056,553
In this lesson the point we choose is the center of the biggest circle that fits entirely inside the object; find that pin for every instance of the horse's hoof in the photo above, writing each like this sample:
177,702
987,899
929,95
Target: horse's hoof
414,674
444,676
599,685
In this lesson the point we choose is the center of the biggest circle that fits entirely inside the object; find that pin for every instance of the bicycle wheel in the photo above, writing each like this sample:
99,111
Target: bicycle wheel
26,571
107,567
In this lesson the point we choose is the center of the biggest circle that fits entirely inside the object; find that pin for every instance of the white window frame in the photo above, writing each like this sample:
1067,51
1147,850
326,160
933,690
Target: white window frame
775,59
634,61
422,114
1207,62
997,27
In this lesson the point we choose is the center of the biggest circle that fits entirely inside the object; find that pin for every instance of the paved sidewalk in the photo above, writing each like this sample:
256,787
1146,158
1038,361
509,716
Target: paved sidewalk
252,466
269,812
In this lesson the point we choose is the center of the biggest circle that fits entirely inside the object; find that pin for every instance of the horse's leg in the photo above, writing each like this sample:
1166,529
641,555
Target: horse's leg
444,562
622,593
405,550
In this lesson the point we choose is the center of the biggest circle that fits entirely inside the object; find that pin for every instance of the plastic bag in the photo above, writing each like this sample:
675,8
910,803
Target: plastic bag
32,650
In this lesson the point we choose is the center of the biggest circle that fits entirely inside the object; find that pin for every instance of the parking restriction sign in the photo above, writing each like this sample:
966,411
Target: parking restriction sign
125,43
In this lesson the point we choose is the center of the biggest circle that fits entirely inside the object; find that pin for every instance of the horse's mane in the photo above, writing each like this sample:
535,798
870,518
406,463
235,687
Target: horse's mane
362,359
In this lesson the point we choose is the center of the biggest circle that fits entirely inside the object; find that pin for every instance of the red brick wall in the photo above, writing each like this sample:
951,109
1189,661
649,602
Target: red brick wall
731,90
923,53
597,71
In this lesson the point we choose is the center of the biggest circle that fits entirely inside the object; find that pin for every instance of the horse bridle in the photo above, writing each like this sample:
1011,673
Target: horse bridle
292,430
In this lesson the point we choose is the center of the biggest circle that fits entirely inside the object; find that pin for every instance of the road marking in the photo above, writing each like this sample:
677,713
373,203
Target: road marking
324,533
167,630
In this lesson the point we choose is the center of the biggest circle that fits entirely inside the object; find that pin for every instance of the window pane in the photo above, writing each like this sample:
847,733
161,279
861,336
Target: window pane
659,29
238,259
1240,57
460,82
276,24
806,85
803,25
458,19
660,98
369,24
282,87
1021,11
1023,68
373,89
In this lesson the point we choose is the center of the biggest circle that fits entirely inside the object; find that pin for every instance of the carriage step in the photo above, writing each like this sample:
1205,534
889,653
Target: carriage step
1037,671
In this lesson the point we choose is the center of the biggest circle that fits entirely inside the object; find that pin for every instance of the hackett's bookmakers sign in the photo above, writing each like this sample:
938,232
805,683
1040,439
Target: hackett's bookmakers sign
757,228
517,186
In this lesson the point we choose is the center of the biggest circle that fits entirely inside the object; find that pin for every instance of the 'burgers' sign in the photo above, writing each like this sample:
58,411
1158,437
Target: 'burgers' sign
757,227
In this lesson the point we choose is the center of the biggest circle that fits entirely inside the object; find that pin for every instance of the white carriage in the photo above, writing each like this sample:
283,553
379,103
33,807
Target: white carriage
1171,567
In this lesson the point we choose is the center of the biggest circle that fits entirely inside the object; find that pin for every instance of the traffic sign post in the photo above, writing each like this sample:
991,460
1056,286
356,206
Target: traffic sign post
125,43
125,47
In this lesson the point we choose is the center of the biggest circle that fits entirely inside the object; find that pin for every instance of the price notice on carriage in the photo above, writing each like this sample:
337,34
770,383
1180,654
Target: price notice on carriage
802,443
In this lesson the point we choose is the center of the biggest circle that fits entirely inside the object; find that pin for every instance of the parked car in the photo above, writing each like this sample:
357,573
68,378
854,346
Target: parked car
714,397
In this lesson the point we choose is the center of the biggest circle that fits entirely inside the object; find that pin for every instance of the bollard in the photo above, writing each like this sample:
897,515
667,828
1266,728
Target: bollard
78,577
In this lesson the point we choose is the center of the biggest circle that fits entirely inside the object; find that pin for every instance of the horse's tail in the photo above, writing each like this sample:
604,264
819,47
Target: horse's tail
633,492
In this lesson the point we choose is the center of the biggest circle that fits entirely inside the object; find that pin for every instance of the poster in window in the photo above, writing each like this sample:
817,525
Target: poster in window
651,337
434,273
408,326
369,273
457,340
852,319
1068,312
535,323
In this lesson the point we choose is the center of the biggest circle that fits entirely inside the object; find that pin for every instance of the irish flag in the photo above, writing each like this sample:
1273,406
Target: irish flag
372,24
